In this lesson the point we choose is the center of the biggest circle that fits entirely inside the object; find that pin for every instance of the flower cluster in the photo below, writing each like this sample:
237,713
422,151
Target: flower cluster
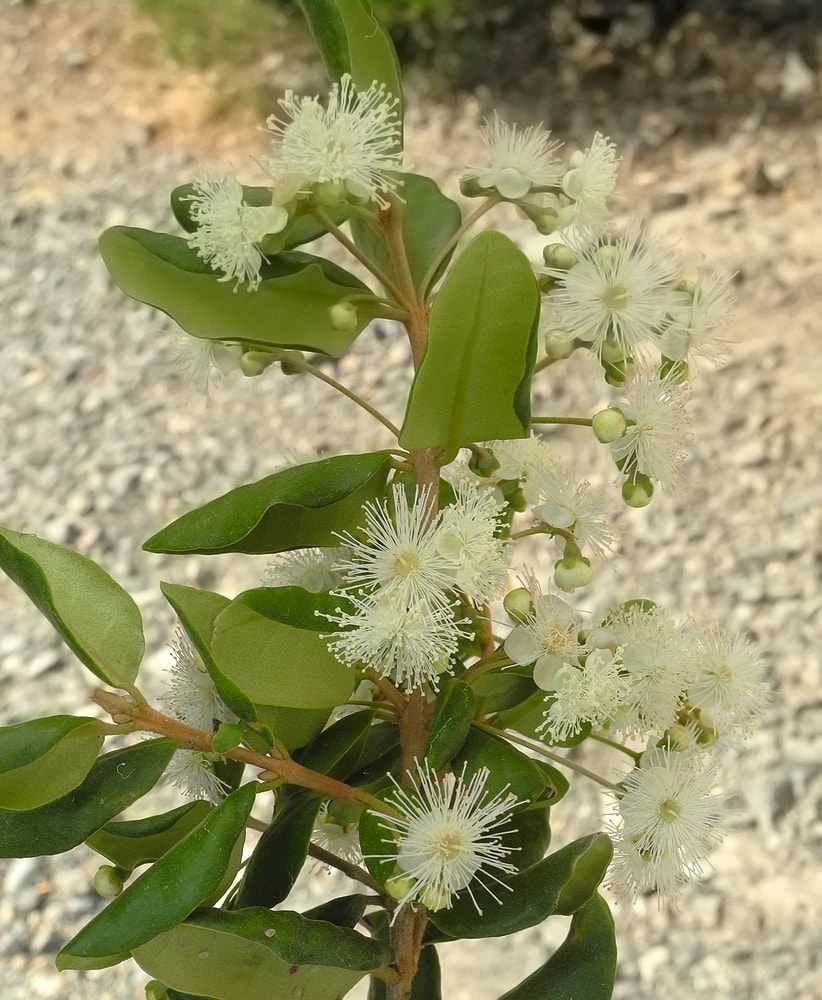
404,577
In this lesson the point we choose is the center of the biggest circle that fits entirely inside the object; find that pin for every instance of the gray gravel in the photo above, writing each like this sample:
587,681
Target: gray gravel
102,444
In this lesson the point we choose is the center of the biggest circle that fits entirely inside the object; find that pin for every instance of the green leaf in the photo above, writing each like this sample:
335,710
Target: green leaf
254,953
379,756
337,750
292,606
428,221
198,610
293,727
129,843
344,911
289,309
560,883
557,784
274,663
296,508
451,722
96,618
115,781
44,759
507,766
280,854
529,837
165,894
583,966
498,691
351,40
473,383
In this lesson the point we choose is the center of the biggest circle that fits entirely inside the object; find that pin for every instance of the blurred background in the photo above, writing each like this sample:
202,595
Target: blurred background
106,105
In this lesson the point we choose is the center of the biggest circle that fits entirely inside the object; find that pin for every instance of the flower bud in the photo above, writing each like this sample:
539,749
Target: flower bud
254,363
343,316
470,188
433,898
612,352
620,373
609,425
519,604
329,193
637,492
156,991
558,344
482,462
675,372
108,881
573,572
399,885
559,256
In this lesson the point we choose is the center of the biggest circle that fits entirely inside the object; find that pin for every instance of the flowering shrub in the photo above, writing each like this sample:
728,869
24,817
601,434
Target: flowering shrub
368,691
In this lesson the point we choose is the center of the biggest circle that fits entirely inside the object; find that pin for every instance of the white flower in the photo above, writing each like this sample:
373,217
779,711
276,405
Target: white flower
192,696
547,638
670,808
588,183
518,160
697,312
338,836
727,681
572,505
658,432
355,142
465,536
410,641
520,458
228,231
634,872
399,553
585,694
311,569
618,293
654,652
204,363
192,772
448,837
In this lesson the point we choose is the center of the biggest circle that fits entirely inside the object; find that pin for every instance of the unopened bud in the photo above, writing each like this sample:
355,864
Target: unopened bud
519,604
399,885
108,881
620,373
433,898
573,572
559,256
637,492
609,425
612,352
343,316
156,991
329,193
254,363
675,372
482,462
559,344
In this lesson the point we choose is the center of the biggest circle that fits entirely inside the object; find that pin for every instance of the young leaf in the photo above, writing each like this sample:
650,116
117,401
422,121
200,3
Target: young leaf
584,965
288,310
428,221
129,843
96,618
44,759
167,893
473,383
292,509
273,663
566,878
254,953
115,781
351,40
280,854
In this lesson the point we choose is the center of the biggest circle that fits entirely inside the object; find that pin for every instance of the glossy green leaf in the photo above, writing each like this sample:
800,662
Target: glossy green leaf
344,911
165,894
280,854
451,721
276,664
528,716
473,383
584,965
289,309
528,836
96,618
351,40
129,843
198,610
559,882
293,606
295,508
427,983
378,840
293,727
428,221
254,953
228,736
116,780
507,766
498,691
44,759
379,756
557,784
337,750
301,229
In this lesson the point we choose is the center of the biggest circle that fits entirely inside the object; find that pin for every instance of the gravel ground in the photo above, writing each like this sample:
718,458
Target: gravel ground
102,443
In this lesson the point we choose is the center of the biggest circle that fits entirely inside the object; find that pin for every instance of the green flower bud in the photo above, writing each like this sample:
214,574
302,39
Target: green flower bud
482,462
674,371
287,366
609,425
470,188
619,374
559,345
559,256
519,604
254,363
573,572
612,352
434,899
343,316
328,193
637,492
156,991
108,881
399,885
